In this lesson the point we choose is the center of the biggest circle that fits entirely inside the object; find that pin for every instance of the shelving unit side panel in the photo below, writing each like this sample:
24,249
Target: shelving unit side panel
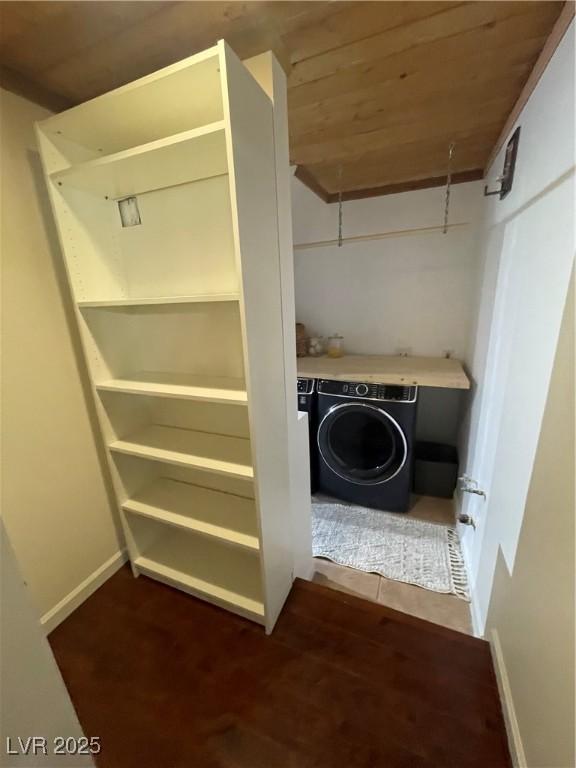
111,342
251,160
270,75
62,223
59,152
88,234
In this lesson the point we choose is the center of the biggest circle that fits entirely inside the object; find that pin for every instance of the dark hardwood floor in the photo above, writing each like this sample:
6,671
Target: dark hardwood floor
168,681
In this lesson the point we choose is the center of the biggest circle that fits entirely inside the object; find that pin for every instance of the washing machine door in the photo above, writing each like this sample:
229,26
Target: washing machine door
362,443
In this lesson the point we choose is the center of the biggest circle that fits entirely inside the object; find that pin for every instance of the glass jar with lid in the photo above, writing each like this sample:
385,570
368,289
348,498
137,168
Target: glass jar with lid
335,347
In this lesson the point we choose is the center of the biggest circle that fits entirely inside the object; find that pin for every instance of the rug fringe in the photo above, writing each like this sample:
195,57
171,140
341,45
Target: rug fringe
411,551
457,566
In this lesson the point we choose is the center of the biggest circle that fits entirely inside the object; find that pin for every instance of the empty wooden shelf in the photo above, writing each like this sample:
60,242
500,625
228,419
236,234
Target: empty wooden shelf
215,389
223,575
183,344
223,516
158,300
179,310
222,454
186,157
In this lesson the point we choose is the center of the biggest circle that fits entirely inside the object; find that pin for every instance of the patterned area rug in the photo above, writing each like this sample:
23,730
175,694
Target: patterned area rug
395,546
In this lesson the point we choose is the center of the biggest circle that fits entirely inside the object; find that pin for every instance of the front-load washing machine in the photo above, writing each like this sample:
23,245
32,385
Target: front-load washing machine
365,441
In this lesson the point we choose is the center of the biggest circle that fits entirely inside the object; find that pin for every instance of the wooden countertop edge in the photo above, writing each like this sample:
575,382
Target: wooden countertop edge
439,378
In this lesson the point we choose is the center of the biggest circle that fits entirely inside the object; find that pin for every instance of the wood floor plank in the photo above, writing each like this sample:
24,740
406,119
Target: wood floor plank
379,611
392,671
169,681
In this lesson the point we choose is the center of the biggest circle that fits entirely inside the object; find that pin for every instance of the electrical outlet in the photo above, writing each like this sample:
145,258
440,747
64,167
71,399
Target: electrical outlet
129,212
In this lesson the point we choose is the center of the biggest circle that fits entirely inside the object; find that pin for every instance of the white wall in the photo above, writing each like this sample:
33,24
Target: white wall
531,615
414,293
528,251
35,701
56,504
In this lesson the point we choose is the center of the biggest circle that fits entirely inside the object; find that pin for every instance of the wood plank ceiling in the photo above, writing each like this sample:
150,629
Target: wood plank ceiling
377,90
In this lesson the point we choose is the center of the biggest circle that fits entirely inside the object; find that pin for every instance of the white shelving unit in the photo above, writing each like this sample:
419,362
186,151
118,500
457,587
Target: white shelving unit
227,518
209,389
180,316
186,157
151,300
221,454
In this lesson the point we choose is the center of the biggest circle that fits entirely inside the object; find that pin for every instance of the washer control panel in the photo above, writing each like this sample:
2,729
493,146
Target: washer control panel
364,391
305,386
305,390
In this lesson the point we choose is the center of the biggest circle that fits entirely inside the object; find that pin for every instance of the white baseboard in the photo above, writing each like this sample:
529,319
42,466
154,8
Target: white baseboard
305,569
478,625
475,617
73,599
512,727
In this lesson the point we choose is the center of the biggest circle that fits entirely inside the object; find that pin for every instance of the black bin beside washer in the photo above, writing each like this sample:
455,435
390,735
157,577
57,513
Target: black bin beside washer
307,402
365,443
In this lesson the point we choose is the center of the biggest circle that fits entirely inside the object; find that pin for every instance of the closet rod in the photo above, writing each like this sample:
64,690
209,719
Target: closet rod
378,236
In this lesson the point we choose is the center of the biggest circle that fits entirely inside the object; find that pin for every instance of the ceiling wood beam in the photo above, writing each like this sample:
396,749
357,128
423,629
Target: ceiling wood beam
389,189
421,160
407,186
309,181
13,81
554,39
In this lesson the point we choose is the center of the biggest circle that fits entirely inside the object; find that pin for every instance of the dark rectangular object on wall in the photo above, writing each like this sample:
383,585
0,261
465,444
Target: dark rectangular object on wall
506,178
510,163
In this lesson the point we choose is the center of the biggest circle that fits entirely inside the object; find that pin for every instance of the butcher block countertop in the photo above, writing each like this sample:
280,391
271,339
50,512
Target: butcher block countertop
387,369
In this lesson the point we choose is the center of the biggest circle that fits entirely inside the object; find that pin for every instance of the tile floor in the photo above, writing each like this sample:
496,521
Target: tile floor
448,610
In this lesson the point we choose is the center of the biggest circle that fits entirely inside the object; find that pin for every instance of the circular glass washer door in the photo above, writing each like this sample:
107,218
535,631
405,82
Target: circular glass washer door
362,443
